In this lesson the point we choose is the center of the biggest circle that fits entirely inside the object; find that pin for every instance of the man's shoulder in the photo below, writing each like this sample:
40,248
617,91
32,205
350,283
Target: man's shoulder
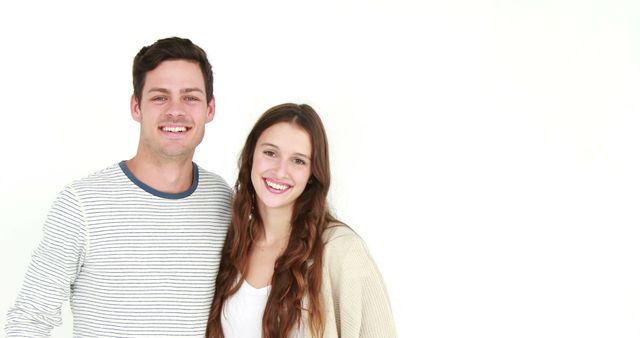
107,178
108,173
209,178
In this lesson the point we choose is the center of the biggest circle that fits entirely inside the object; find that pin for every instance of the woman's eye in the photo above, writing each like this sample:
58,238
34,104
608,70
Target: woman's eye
269,153
299,161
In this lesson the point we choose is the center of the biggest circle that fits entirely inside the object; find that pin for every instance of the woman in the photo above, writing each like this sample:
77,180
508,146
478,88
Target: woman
289,268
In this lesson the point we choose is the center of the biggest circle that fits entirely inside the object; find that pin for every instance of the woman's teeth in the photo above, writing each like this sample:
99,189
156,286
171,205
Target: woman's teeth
276,185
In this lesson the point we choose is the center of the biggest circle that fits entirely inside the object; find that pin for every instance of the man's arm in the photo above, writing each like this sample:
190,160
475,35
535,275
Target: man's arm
53,269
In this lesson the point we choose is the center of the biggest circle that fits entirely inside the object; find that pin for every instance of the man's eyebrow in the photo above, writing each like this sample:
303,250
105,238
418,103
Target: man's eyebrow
189,90
157,89
166,91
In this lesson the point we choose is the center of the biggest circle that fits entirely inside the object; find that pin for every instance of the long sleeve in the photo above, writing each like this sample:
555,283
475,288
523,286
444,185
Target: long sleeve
361,305
52,271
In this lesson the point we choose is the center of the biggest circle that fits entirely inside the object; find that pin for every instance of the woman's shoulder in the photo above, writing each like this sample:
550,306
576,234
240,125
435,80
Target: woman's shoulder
340,239
339,232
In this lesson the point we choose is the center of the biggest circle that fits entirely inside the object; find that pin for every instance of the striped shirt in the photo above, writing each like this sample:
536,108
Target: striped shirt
133,261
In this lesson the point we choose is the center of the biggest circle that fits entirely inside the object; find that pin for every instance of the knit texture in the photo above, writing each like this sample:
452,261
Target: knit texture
354,297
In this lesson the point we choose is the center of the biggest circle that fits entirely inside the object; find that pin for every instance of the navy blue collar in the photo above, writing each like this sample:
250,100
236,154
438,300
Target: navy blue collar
152,191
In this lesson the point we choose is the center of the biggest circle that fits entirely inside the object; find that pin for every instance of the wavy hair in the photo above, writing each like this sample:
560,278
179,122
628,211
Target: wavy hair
298,271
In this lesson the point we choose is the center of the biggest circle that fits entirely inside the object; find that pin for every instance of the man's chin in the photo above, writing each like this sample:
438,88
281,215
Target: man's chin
177,153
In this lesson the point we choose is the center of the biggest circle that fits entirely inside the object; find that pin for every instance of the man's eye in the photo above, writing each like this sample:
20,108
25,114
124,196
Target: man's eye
159,98
191,98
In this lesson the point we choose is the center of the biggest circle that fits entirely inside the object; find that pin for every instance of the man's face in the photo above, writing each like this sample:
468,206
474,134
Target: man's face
172,111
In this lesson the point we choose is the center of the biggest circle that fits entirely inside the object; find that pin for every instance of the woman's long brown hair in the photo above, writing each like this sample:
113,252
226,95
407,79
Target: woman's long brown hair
298,271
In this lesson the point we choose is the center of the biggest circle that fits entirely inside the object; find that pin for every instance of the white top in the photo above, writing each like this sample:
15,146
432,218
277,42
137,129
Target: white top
242,312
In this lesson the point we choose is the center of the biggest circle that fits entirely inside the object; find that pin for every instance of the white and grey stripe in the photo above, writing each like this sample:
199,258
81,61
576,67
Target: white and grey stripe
134,261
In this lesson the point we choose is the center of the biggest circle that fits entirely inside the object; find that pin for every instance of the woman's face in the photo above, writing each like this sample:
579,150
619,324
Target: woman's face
281,166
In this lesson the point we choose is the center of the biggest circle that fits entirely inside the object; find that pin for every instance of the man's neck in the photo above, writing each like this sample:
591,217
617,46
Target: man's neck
171,177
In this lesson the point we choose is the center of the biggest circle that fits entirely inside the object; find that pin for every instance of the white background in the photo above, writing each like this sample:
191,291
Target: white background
487,151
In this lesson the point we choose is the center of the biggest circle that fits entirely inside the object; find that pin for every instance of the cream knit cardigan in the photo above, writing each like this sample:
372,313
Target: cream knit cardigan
354,297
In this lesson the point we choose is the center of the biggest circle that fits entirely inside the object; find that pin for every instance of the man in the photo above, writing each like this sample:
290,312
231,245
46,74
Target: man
136,246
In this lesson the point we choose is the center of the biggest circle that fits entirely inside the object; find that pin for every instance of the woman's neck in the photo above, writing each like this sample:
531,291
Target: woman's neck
277,225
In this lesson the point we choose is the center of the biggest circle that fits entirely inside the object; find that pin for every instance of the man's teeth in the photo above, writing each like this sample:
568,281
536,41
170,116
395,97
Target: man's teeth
174,129
276,185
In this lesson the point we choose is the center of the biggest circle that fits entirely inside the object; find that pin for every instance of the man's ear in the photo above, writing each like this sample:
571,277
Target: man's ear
135,108
211,109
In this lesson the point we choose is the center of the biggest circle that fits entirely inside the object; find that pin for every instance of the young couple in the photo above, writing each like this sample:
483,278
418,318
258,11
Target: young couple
140,247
